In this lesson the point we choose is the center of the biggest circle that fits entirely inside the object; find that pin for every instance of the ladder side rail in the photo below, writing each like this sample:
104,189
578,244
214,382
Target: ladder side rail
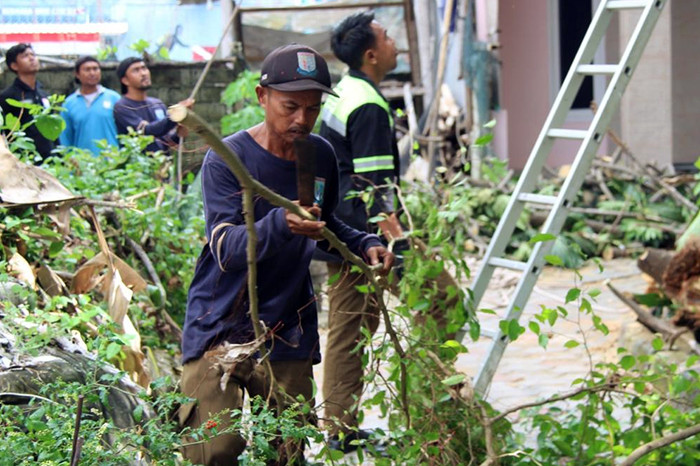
538,156
514,310
556,219
572,184
586,53
609,104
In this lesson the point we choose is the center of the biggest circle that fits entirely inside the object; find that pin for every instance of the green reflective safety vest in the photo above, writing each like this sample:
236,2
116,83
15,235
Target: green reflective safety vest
354,93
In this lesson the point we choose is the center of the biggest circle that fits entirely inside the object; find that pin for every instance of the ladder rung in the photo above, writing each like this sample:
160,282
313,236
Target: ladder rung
508,264
488,332
567,133
626,4
597,69
537,198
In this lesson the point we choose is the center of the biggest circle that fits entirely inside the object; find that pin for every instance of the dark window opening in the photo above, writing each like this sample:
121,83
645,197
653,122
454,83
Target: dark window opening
574,19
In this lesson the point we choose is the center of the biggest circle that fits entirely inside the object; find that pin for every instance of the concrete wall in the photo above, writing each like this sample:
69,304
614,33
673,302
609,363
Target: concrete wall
172,82
660,111
646,107
685,93
525,78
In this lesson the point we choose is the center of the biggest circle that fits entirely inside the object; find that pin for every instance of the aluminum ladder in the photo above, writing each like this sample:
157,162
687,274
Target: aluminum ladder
581,67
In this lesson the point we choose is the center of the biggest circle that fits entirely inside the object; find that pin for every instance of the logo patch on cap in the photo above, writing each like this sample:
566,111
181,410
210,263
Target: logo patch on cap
307,63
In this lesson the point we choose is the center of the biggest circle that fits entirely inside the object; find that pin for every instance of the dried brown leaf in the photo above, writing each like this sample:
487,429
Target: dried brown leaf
19,268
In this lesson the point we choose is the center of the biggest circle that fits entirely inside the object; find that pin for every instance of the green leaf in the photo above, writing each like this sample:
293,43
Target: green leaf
474,331
50,126
551,315
362,288
490,124
573,294
627,362
543,340
453,345
511,328
652,299
55,248
138,413
657,343
571,344
553,260
336,455
113,349
483,140
18,104
681,384
594,293
541,237
46,232
535,327
11,121
454,379
333,278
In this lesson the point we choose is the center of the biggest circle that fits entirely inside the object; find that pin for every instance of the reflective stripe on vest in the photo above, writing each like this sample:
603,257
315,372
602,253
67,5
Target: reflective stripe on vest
373,164
354,93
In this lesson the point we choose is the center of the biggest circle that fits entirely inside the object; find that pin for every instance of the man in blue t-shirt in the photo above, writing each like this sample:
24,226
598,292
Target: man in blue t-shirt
147,115
89,110
291,85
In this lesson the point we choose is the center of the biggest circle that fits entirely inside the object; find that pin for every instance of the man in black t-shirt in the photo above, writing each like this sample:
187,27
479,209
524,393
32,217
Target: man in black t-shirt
147,115
22,60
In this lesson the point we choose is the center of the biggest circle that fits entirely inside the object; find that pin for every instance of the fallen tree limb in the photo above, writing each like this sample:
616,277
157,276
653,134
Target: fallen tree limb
644,317
143,257
654,263
660,443
673,192
613,228
113,204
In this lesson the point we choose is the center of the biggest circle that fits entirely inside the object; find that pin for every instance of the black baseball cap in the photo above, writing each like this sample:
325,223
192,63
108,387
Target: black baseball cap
124,65
296,67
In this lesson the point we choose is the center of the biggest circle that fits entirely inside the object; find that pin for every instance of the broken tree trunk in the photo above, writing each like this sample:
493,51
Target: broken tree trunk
654,263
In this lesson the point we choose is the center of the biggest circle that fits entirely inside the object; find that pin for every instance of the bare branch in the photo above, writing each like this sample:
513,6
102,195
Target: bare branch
660,443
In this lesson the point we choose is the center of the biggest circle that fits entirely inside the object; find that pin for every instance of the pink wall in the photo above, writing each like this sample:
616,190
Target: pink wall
525,77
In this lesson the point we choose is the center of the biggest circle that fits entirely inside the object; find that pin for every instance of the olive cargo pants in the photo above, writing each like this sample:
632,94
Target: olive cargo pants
349,311
201,380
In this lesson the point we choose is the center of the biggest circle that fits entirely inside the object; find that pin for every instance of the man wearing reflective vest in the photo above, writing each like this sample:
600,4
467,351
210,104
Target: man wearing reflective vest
359,125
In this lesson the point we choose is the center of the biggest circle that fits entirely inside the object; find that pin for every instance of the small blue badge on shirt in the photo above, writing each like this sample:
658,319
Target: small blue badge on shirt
160,113
319,189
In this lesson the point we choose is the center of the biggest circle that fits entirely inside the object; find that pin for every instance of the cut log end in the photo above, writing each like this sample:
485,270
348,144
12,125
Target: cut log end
177,113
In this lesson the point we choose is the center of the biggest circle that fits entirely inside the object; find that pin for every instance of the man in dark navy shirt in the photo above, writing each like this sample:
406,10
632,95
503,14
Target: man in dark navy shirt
142,113
291,85
23,62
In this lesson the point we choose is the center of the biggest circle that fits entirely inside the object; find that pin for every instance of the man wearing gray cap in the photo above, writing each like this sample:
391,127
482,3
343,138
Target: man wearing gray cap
142,113
293,79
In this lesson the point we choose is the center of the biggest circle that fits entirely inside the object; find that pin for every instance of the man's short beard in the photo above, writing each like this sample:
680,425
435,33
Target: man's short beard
144,88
